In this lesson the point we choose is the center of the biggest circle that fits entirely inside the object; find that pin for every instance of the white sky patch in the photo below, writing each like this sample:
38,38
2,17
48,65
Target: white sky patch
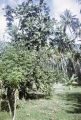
2,23
14,3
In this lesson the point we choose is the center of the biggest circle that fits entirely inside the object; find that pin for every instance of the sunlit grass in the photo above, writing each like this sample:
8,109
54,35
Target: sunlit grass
56,108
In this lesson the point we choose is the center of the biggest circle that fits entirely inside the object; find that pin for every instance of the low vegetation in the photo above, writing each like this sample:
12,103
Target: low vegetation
64,105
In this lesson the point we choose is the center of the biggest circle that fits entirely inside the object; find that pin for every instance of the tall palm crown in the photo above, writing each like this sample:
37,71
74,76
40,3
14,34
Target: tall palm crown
69,20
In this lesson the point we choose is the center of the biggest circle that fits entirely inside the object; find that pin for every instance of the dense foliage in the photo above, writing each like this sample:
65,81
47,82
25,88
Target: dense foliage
17,65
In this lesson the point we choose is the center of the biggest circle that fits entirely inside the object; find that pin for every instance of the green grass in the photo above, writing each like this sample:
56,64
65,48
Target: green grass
60,107
4,116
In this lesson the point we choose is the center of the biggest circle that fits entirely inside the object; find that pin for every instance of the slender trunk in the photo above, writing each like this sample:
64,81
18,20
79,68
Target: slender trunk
1,87
14,117
11,99
64,29
9,109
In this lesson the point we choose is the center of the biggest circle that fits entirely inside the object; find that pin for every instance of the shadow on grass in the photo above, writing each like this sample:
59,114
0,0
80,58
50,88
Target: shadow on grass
74,100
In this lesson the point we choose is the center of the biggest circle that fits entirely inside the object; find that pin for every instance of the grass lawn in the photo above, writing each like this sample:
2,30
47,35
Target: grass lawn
65,105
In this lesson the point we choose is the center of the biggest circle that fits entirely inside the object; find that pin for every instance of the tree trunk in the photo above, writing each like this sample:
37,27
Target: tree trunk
12,100
14,117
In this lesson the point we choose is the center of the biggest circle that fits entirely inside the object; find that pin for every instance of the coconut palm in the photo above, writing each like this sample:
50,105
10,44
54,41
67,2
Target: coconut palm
70,21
